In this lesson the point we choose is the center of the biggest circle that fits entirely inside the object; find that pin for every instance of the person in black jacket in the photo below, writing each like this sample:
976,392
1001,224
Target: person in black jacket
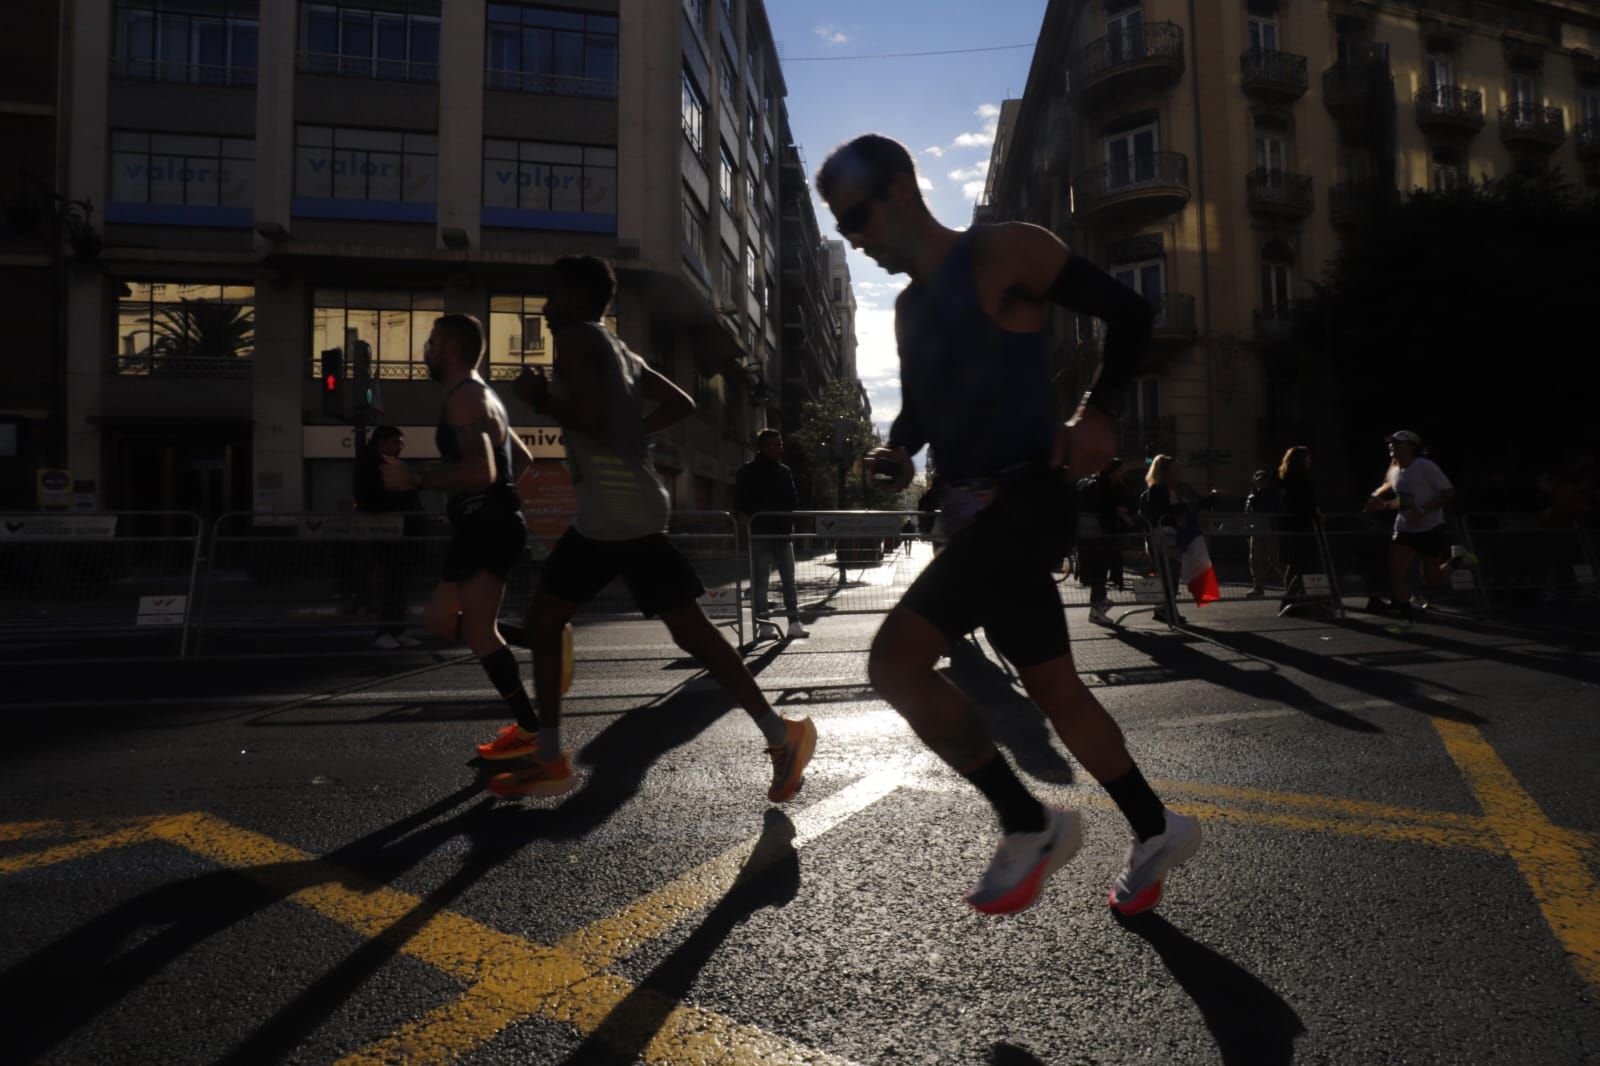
1297,524
763,485
387,557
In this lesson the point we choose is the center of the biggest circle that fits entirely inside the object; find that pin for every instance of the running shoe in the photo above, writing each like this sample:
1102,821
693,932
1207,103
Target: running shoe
1255,593
790,758
797,629
512,742
1099,614
552,778
1024,862
766,630
408,641
1461,558
1138,887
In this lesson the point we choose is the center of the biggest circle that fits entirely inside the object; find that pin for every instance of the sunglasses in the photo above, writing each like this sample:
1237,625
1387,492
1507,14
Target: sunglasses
855,219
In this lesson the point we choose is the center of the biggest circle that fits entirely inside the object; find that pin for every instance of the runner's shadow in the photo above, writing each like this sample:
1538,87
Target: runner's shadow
1008,1054
769,878
1563,664
61,988
1017,724
1268,685
1251,1023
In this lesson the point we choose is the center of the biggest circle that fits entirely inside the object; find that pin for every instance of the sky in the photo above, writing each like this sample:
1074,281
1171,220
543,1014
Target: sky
943,108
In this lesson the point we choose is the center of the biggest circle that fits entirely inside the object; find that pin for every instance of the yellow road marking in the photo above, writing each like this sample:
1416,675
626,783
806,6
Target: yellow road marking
1561,881
24,830
453,1029
77,849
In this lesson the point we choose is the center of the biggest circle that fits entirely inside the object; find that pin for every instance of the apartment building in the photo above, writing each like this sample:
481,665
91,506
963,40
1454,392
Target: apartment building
280,180
1214,156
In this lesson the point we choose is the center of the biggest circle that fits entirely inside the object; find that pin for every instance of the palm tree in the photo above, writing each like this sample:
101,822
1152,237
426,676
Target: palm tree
201,329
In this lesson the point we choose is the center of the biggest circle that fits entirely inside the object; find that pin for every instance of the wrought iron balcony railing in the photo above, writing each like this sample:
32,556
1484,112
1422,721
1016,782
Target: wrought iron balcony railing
1450,105
1278,191
368,67
1153,172
158,365
1269,72
1532,124
1156,44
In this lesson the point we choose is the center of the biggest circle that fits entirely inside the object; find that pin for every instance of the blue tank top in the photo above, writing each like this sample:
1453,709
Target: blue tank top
502,491
980,394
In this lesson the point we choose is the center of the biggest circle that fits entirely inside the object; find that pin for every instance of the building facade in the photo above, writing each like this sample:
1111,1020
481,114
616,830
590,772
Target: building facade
1214,156
281,180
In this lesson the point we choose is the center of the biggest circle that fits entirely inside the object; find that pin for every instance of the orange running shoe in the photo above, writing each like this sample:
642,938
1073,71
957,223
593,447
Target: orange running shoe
553,778
789,759
512,742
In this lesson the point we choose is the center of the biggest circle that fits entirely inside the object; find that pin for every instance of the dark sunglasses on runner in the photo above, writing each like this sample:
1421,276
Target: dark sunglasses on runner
855,219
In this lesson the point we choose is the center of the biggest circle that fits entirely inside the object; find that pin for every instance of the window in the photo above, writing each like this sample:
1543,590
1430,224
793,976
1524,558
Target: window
752,278
838,289
167,327
1146,277
537,184
727,177
1446,169
752,192
1276,260
750,120
517,336
1125,35
1270,153
397,45
728,289
1263,30
694,114
543,50
694,226
729,78
181,179
1524,97
395,324
342,172
1146,409
1131,157
172,40
696,10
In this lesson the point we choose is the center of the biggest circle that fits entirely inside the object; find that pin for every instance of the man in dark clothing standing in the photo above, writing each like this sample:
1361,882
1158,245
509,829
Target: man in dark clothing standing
388,564
764,484
1261,503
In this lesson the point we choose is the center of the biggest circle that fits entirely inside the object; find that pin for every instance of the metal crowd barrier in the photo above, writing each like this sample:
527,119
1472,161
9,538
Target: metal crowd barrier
1522,559
1256,559
847,562
269,576
76,576
1135,578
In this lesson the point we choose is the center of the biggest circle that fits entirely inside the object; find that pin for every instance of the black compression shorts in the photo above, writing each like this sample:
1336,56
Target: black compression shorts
656,573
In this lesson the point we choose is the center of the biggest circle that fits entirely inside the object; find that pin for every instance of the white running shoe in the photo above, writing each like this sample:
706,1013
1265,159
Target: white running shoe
1099,614
766,630
797,629
1024,862
1138,887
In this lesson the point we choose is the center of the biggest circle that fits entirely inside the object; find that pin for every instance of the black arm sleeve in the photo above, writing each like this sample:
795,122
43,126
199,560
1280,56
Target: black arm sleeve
906,432
1082,286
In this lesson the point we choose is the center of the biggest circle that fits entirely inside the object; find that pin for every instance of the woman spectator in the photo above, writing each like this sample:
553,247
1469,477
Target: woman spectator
1297,524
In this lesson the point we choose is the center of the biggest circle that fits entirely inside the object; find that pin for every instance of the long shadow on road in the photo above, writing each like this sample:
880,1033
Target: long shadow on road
62,988
1017,724
1250,1023
769,878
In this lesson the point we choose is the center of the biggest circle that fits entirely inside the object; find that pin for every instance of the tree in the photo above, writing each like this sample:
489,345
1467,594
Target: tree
833,436
1460,315
202,329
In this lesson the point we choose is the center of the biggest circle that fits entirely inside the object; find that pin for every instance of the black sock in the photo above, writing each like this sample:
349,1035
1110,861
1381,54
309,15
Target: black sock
501,666
1019,812
1138,803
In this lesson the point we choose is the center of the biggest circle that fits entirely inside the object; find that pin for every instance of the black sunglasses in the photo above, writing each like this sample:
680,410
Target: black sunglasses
855,219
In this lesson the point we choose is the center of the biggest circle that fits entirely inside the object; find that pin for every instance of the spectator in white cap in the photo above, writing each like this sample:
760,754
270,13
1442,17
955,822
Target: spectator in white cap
1419,492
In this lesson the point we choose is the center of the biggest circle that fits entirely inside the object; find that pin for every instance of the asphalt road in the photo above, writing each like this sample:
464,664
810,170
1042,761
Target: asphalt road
269,859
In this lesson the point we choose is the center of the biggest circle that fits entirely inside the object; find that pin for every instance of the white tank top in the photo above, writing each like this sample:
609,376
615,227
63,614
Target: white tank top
619,497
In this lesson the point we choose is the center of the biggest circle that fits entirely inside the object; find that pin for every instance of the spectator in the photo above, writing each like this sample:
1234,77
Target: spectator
1297,524
764,484
1262,502
1103,503
1163,508
386,557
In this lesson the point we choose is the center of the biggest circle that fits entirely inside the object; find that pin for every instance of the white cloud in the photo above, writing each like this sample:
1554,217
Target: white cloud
977,170
924,184
933,150
987,111
878,362
830,35
973,189
985,136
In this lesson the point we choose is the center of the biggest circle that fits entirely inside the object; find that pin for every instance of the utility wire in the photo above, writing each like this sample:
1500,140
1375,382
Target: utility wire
903,55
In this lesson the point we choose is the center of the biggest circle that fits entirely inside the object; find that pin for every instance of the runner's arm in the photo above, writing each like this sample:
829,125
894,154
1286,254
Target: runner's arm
521,457
576,364
1036,262
474,425
673,405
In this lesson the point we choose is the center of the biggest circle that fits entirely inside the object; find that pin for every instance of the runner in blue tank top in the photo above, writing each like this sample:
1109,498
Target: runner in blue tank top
975,386
482,459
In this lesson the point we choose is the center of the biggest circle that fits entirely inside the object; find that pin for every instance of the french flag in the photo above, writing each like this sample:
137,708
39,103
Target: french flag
1194,563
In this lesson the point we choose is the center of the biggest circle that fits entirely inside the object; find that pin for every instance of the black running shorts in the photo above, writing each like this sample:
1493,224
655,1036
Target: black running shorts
656,573
492,539
1431,543
998,573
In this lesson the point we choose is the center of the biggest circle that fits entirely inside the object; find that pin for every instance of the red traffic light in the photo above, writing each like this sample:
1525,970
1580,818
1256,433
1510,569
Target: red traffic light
330,383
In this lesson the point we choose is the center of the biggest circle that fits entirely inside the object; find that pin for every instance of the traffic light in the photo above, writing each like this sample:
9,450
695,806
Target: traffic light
333,383
368,398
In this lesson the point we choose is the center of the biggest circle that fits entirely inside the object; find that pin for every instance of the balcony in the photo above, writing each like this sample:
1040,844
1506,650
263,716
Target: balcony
1348,85
242,74
1587,135
1273,75
1278,193
1174,321
1147,56
1157,182
1274,325
1524,125
1450,109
